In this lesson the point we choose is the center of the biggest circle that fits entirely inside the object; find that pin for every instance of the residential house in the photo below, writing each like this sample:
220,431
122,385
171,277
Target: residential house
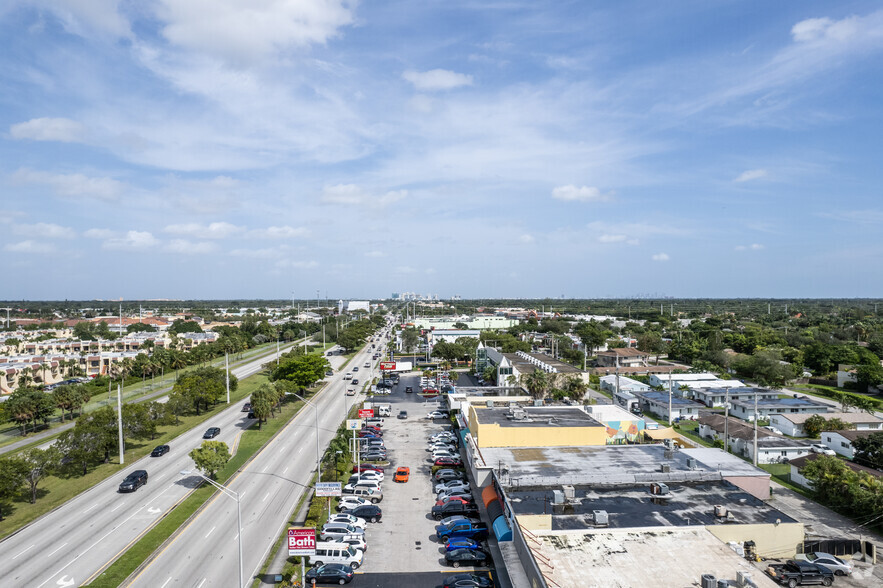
771,448
841,441
745,409
623,357
798,464
792,424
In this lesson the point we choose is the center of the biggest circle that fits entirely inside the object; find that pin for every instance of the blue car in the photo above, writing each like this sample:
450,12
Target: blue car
461,543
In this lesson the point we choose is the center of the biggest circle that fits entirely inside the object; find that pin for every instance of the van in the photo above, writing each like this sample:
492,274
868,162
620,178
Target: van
383,410
374,496
374,421
337,553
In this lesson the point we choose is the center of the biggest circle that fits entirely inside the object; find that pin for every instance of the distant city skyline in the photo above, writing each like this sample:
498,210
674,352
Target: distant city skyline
261,151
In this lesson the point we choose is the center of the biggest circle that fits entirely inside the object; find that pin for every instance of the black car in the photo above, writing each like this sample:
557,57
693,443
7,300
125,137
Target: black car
329,573
467,580
212,432
134,481
469,557
447,475
454,508
369,512
159,450
355,381
409,389
251,415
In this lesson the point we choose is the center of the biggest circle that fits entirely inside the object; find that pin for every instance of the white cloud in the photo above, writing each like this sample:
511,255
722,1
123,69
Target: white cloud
751,174
30,246
660,257
526,238
296,264
284,232
571,193
611,238
133,240
217,230
632,231
99,234
88,17
46,230
267,253
374,254
242,33
821,29
72,185
353,194
185,247
404,269
437,79
49,129
752,247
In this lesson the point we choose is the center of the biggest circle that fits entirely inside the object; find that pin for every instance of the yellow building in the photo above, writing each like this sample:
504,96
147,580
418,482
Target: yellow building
534,426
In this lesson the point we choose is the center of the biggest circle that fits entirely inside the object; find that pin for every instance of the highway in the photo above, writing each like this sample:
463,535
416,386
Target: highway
205,552
70,544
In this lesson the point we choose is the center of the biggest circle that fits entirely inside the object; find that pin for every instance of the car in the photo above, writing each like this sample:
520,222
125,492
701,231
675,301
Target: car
356,541
212,432
348,502
437,453
355,381
452,508
443,437
442,447
403,414
250,416
367,512
374,456
370,484
446,474
329,372
402,474
409,390
461,493
447,461
347,376
246,407
467,581
366,466
159,451
465,499
832,562
819,448
452,485
469,557
436,414
367,364
336,531
347,517
134,481
350,391
329,353
462,543
329,573
355,368
371,475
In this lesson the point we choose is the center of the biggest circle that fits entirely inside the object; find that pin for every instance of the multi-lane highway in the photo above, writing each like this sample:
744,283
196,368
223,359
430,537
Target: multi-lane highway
73,542
205,553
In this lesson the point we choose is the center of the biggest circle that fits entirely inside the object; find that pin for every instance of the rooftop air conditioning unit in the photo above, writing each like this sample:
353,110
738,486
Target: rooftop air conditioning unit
538,402
659,488
557,497
569,492
691,463
489,404
708,581
720,511
665,468
601,517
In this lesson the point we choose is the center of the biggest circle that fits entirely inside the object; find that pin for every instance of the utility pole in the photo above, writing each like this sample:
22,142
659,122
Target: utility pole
755,428
727,421
120,423
227,374
669,399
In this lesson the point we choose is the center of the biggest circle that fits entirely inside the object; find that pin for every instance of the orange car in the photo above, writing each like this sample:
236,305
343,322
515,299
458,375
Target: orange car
402,474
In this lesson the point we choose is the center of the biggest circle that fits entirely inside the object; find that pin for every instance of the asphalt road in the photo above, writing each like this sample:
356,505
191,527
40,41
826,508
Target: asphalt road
70,544
205,552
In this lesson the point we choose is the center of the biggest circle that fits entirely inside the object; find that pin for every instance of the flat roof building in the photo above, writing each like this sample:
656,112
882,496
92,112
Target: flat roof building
744,409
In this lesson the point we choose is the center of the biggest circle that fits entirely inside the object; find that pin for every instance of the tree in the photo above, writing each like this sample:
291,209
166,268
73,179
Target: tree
140,328
182,326
303,370
814,425
410,339
592,334
830,479
84,331
39,464
203,386
262,402
137,422
651,342
81,446
13,471
574,387
461,325
538,383
869,450
29,405
210,457
868,375
349,339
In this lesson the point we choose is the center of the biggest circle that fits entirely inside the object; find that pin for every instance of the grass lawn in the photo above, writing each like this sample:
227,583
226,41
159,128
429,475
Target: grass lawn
55,491
250,443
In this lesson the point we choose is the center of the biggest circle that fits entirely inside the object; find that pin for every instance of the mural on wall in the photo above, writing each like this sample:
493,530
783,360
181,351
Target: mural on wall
623,432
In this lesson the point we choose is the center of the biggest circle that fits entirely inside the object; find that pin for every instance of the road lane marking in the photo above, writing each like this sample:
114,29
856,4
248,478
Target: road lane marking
56,550
166,582
265,497
264,471
116,507
210,532
285,470
90,508
201,583
21,552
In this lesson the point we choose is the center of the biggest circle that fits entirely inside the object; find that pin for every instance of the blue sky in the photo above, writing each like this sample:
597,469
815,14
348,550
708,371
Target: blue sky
221,148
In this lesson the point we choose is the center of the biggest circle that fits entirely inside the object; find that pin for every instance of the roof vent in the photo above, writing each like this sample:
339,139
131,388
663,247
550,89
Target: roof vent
569,492
557,497
601,517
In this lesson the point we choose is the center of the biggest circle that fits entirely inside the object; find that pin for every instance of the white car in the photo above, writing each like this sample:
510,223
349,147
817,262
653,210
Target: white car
436,414
452,486
348,502
357,542
439,446
833,563
370,475
443,453
442,436
819,448
343,517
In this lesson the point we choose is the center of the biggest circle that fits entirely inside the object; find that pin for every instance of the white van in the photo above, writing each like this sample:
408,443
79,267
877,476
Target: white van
338,553
383,410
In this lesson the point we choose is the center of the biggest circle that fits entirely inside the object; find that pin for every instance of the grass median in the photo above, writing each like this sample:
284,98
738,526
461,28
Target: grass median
250,443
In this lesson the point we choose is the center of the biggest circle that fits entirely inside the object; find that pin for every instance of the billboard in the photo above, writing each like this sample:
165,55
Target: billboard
353,424
366,412
387,365
301,541
328,489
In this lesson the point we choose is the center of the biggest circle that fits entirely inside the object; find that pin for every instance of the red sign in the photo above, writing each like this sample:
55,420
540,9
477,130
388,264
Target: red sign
301,541
366,412
387,365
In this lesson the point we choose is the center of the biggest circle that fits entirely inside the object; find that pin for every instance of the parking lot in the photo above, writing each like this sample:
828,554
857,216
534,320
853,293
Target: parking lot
404,548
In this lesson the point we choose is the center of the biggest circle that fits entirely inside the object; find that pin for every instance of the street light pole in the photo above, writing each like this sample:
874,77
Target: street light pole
318,457
235,496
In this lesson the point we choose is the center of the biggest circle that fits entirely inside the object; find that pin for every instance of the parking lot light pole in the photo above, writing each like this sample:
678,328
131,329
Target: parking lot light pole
318,455
235,496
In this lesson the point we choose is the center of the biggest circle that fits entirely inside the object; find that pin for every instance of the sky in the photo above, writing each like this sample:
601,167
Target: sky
220,149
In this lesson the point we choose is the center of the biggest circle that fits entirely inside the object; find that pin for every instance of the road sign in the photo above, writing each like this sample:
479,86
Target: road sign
328,489
387,365
353,424
301,541
366,412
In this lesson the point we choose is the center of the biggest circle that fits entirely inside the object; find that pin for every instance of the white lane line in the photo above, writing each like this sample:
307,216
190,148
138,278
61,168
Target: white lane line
56,550
265,497
263,471
201,583
285,470
166,582
210,532
90,508
236,537
241,494
21,552
281,449
116,507
301,449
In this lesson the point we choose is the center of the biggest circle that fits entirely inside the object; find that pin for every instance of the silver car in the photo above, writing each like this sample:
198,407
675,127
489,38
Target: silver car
832,562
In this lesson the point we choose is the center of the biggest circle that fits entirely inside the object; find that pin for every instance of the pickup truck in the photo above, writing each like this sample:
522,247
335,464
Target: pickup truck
454,508
800,573
462,528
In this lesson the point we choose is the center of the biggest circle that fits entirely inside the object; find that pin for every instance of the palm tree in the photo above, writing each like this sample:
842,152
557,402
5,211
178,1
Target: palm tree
538,383
177,362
